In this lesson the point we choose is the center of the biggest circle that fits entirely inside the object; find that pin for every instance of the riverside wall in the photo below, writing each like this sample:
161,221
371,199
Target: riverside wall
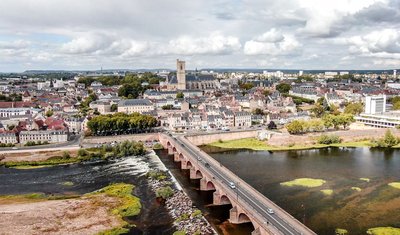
224,136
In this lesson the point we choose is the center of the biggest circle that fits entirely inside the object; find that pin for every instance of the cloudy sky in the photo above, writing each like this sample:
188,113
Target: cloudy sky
282,34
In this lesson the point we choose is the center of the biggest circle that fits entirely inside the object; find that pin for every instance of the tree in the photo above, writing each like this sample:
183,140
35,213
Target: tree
354,108
129,90
283,88
389,140
49,113
258,111
180,95
11,127
266,92
271,125
114,107
295,127
318,110
246,86
167,107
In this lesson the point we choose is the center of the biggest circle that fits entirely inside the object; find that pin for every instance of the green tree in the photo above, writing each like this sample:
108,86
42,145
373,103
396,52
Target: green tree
167,107
246,86
129,90
283,87
354,108
180,95
389,140
295,127
258,111
49,113
114,107
266,92
318,110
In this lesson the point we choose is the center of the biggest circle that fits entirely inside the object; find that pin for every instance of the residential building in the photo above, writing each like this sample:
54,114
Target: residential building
135,106
51,136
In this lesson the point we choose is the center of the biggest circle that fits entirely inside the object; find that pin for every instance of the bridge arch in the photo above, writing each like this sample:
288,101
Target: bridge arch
168,144
225,200
243,218
181,156
174,149
189,165
210,185
199,174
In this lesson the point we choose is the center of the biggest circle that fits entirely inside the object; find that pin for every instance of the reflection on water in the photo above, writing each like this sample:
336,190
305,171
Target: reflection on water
375,205
90,176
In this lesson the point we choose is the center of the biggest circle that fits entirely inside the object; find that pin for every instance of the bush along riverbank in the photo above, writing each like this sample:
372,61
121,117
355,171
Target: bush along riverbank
188,219
106,152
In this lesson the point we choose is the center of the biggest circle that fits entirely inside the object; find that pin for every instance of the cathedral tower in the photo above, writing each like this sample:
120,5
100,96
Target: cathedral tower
181,74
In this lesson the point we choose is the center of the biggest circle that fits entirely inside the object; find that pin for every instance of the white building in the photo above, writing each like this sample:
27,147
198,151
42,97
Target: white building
242,119
10,112
49,136
135,106
375,104
8,138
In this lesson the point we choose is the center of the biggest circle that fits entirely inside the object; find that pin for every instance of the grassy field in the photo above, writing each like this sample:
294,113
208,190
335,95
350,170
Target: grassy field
254,144
395,185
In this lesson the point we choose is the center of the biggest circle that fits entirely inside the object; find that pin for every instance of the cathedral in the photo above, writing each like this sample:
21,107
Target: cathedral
190,81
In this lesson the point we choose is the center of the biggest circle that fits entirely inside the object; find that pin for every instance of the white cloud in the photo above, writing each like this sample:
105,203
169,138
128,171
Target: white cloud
215,43
272,35
288,45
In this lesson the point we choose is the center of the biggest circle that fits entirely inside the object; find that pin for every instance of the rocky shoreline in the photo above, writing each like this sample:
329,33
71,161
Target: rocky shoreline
187,218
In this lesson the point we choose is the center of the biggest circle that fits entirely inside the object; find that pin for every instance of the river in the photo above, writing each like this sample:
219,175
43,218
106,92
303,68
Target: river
354,205
89,176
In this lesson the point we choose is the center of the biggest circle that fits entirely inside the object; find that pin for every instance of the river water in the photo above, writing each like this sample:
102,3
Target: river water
90,176
376,205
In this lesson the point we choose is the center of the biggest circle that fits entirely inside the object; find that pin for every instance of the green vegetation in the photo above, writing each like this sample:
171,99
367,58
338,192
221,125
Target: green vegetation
246,86
157,175
299,100
130,205
115,231
283,88
255,144
395,101
389,140
356,189
184,216
354,108
196,213
68,183
33,143
11,97
365,179
121,123
329,139
167,107
114,108
384,231
327,192
179,233
84,106
6,145
158,146
123,149
318,125
164,192
49,113
341,231
180,95
28,167
395,185
304,182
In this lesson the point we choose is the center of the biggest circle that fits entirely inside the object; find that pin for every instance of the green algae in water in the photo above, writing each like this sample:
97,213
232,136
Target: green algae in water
395,185
365,179
304,182
356,189
327,192
384,231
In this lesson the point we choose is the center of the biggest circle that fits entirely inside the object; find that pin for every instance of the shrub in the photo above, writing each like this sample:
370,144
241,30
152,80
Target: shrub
66,154
82,153
329,139
164,192
389,140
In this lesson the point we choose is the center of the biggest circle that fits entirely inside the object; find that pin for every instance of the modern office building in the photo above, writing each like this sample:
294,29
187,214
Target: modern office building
375,104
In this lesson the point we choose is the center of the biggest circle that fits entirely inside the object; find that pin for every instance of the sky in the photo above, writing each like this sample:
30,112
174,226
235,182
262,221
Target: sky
135,34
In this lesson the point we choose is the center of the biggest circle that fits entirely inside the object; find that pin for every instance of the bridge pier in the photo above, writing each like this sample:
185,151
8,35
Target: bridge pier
170,150
186,165
176,157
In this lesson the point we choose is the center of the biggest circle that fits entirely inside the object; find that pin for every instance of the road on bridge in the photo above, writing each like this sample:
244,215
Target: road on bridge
261,208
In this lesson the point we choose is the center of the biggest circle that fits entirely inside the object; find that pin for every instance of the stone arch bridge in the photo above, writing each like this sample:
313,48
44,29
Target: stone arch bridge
248,205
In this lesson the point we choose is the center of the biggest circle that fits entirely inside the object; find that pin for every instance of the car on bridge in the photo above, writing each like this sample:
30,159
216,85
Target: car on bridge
270,211
232,185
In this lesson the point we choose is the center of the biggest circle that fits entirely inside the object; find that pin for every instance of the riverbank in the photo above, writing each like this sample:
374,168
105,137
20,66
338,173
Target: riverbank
95,213
255,144
187,218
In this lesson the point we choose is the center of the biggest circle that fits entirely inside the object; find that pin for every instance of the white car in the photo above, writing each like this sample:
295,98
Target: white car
270,211
232,185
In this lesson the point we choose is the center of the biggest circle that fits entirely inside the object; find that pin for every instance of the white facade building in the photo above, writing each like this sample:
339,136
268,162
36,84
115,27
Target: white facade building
135,106
375,104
